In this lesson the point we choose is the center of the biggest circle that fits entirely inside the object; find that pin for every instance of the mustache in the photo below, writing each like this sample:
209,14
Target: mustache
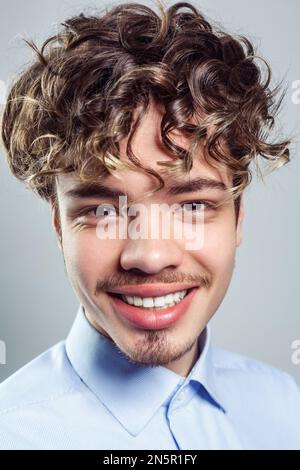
126,279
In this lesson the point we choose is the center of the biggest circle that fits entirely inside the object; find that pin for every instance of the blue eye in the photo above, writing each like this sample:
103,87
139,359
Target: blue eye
102,210
195,206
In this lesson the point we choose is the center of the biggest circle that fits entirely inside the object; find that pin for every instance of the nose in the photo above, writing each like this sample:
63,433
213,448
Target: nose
150,256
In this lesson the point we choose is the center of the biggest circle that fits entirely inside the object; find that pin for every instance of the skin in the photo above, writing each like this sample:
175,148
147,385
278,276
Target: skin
116,262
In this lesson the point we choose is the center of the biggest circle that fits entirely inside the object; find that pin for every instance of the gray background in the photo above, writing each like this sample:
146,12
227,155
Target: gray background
259,316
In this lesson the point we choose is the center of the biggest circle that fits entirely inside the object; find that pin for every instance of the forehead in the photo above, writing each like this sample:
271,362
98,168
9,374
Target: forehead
147,146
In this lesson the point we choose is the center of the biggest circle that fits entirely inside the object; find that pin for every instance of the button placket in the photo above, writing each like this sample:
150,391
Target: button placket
179,398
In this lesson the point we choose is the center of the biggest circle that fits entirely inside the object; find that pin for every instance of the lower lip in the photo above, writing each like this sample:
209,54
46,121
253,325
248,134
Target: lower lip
151,318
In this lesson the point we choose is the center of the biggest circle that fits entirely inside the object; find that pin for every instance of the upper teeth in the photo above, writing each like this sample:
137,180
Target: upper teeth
150,302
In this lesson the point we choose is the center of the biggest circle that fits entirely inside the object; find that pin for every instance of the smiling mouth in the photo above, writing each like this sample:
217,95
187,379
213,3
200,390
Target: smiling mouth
154,303
154,313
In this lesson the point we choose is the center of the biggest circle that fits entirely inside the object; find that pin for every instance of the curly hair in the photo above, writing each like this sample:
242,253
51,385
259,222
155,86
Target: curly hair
68,109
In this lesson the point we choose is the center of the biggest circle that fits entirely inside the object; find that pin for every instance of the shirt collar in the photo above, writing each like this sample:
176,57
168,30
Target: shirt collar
130,392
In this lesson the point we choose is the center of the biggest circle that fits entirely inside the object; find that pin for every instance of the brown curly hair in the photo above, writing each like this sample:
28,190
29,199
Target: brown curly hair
69,108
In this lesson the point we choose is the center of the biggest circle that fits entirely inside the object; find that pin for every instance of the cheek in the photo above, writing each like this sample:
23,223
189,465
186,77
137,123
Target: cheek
217,257
88,258
218,252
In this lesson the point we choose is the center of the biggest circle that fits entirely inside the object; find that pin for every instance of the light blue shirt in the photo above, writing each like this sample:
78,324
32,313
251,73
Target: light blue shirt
83,393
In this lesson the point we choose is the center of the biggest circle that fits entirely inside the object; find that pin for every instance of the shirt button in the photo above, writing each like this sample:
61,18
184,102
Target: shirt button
181,395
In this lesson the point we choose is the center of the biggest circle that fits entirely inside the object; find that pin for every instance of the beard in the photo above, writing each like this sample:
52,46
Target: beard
154,349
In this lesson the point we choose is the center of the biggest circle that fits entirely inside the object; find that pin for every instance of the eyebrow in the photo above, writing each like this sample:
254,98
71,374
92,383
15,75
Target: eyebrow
93,190
197,184
99,190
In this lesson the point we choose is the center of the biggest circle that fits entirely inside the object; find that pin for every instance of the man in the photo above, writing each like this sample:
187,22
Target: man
112,103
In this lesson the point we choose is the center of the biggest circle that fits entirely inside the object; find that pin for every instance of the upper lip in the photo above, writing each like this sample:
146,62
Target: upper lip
151,290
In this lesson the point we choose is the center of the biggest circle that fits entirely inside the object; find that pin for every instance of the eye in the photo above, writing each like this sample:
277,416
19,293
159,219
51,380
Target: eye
105,210
195,206
100,211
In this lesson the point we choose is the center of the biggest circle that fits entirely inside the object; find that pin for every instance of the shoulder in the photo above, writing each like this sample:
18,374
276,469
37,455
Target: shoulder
34,399
231,362
266,387
262,401
46,377
228,364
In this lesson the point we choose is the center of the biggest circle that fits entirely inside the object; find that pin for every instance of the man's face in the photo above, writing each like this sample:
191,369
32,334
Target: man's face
96,266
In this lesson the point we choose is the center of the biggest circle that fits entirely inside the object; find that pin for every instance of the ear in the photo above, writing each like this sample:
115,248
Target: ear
239,231
55,221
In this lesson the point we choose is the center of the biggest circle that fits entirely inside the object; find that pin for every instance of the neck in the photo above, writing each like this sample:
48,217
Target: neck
185,363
